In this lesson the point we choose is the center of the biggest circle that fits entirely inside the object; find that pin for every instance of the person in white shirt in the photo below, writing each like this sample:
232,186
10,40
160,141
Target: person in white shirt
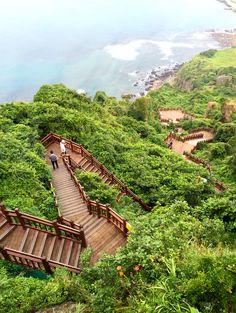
63,147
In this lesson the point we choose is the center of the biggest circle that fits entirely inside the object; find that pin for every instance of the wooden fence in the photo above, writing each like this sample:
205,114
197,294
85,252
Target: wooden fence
36,262
28,221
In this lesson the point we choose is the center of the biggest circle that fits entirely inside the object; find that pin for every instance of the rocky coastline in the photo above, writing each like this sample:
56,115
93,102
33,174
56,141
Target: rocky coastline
157,77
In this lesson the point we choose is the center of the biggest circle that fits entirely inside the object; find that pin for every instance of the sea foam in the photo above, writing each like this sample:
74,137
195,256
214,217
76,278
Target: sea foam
129,51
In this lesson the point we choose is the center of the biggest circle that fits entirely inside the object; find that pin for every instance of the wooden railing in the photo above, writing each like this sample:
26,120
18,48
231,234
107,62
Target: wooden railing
105,211
28,221
193,136
198,160
94,207
36,262
74,147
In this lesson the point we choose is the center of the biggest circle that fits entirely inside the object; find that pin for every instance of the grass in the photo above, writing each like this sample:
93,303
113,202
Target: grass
222,58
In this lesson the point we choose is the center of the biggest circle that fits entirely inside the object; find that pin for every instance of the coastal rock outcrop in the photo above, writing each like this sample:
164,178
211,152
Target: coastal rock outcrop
227,109
223,79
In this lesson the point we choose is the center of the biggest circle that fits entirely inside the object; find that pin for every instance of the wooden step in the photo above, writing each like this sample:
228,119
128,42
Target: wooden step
77,257
4,226
82,161
84,164
65,249
90,229
3,223
43,243
60,250
21,248
63,182
80,207
88,167
92,221
70,195
73,190
7,232
69,252
76,212
68,214
76,205
83,221
92,169
64,188
97,170
69,202
31,248
50,251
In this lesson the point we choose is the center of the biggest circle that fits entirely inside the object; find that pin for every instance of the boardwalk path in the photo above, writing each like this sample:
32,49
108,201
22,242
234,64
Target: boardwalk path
101,235
190,144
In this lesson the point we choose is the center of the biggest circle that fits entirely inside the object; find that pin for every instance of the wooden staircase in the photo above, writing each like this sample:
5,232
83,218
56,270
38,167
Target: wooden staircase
37,243
41,244
84,160
102,235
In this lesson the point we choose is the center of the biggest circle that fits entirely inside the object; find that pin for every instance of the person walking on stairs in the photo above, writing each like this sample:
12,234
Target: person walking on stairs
53,159
63,147
170,145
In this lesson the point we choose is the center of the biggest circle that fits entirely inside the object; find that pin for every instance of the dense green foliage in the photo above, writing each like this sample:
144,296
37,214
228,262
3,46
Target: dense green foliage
181,256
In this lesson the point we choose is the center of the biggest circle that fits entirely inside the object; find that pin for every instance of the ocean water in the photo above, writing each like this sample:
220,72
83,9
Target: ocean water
99,44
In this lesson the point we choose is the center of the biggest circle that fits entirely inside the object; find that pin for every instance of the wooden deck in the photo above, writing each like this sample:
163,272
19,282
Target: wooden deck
190,144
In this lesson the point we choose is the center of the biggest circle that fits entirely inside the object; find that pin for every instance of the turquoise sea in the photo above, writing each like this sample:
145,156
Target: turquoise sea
99,44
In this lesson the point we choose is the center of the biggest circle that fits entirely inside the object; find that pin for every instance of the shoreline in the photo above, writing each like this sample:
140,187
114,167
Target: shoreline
157,77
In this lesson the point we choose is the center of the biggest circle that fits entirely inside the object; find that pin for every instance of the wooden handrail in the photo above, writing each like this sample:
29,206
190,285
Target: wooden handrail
25,220
80,149
34,261
94,207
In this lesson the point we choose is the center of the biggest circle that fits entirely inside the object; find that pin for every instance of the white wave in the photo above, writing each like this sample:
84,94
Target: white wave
129,51
133,74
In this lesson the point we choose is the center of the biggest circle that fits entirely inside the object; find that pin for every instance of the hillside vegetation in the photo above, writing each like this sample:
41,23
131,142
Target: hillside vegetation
181,256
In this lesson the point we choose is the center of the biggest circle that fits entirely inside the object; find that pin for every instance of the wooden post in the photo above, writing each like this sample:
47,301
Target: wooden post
89,205
124,227
20,218
98,209
58,232
5,254
108,212
72,224
71,145
46,265
5,213
112,178
84,244
60,219
69,160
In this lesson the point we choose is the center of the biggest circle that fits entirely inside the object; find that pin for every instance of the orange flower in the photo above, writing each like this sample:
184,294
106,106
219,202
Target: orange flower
121,274
119,268
136,268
